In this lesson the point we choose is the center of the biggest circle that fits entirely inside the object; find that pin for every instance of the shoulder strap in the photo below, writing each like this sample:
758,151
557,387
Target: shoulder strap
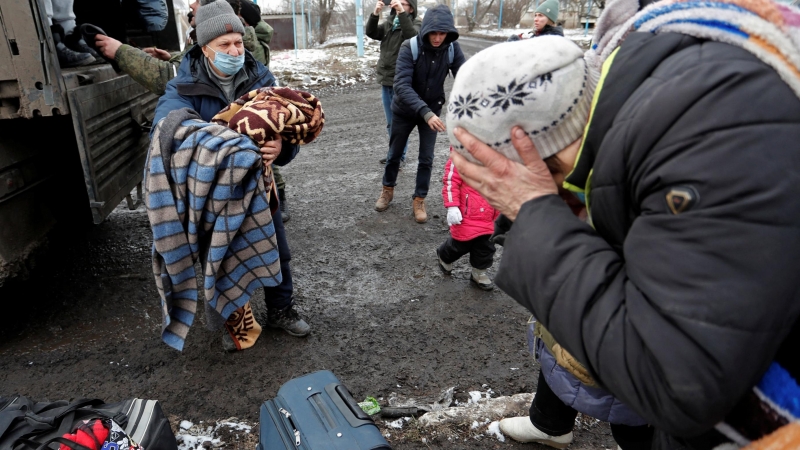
414,48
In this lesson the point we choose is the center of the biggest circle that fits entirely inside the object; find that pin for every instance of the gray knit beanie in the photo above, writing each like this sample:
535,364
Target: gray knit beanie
215,18
542,85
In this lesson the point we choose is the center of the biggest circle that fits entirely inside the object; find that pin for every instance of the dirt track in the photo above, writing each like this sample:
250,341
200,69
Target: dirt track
385,319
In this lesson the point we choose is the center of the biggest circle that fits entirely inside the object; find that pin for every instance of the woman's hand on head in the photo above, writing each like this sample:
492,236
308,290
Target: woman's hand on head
505,184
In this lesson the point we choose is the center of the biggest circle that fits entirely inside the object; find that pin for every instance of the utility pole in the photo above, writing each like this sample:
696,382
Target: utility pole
500,19
586,30
303,14
294,27
359,28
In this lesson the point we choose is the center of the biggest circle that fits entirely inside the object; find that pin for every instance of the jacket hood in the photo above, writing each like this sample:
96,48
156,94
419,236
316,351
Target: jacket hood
413,15
439,18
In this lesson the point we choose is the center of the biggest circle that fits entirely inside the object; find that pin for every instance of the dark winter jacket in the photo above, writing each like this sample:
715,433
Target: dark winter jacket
550,30
419,87
194,89
684,292
391,40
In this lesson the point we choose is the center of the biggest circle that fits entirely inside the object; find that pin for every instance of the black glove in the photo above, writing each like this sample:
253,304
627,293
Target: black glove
251,13
502,225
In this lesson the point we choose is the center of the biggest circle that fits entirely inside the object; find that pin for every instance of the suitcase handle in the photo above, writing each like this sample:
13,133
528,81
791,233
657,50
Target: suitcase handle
344,401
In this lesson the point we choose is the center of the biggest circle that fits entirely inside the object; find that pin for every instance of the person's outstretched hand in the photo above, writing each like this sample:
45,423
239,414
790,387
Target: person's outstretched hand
157,53
107,46
454,216
505,184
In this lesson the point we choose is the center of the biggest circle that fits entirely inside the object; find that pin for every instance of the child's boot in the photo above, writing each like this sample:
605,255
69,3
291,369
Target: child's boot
481,279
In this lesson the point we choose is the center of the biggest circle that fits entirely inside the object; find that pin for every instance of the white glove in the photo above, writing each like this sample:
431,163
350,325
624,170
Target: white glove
453,216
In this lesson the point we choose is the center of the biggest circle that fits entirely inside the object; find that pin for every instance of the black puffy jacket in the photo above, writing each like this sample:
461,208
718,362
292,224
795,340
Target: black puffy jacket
687,288
419,87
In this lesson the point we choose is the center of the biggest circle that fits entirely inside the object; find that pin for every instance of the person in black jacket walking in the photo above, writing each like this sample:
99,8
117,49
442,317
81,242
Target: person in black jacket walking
681,298
402,24
418,100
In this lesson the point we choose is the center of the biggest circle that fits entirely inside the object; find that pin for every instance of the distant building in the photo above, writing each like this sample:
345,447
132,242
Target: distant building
282,37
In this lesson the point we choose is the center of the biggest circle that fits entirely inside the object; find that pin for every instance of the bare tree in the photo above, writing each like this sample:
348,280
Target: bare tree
324,10
513,11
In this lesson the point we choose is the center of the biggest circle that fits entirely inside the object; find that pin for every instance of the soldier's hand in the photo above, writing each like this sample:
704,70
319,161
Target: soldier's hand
157,53
436,124
107,46
378,7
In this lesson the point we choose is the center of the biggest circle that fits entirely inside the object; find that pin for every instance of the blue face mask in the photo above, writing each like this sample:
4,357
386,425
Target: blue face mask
226,63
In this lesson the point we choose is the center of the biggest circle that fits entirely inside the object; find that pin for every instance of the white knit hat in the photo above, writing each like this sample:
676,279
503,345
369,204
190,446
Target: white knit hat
541,84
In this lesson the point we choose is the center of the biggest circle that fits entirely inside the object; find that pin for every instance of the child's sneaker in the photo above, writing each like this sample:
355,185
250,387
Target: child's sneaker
446,268
482,280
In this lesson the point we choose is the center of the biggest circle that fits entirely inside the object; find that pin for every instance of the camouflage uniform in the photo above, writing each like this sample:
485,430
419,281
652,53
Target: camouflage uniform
152,73
257,41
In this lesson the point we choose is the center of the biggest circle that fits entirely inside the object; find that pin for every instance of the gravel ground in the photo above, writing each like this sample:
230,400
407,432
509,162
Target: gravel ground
385,319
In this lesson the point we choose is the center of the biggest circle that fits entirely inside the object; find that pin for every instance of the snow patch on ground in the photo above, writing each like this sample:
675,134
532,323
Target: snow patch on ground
335,64
494,429
221,434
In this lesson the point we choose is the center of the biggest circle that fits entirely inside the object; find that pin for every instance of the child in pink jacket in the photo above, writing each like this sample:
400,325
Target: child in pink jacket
471,221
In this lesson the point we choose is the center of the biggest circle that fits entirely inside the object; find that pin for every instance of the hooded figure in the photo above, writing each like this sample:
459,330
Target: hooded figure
418,100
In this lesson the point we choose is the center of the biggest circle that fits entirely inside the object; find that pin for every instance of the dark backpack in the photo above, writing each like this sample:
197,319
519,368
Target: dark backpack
29,425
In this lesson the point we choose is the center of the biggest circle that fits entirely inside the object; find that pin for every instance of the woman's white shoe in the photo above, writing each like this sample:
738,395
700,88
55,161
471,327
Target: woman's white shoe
522,430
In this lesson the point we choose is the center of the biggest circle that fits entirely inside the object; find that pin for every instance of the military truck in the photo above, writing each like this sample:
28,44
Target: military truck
72,141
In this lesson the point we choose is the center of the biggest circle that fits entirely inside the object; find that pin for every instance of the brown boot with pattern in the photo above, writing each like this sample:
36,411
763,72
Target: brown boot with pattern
419,210
387,194
242,330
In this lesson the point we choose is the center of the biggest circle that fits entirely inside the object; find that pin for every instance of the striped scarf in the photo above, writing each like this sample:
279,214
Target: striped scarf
767,29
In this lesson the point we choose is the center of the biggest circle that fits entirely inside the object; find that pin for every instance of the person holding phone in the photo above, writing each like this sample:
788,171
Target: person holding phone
402,24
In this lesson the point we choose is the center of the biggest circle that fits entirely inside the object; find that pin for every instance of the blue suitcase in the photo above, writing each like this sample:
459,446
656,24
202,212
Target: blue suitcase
317,412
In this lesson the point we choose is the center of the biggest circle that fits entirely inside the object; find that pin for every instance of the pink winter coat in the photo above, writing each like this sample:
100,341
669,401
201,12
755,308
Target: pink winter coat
477,215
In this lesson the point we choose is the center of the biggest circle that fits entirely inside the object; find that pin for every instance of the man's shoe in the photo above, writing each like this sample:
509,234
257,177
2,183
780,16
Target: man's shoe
382,160
66,57
481,279
446,268
285,214
76,43
387,194
419,210
289,320
522,430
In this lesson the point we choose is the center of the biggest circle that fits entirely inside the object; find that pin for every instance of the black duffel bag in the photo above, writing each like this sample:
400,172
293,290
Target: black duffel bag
29,425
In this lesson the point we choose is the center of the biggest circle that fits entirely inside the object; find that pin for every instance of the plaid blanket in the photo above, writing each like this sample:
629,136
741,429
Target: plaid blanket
205,199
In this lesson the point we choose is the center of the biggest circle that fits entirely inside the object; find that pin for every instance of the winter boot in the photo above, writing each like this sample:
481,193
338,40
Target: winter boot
387,194
446,268
419,210
76,43
522,430
289,320
285,214
242,330
482,280
66,57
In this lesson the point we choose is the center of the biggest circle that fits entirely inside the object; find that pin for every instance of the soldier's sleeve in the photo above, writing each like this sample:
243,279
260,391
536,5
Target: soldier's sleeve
150,72
252,43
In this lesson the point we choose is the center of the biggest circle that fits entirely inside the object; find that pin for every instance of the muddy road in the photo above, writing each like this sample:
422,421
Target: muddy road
385,319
